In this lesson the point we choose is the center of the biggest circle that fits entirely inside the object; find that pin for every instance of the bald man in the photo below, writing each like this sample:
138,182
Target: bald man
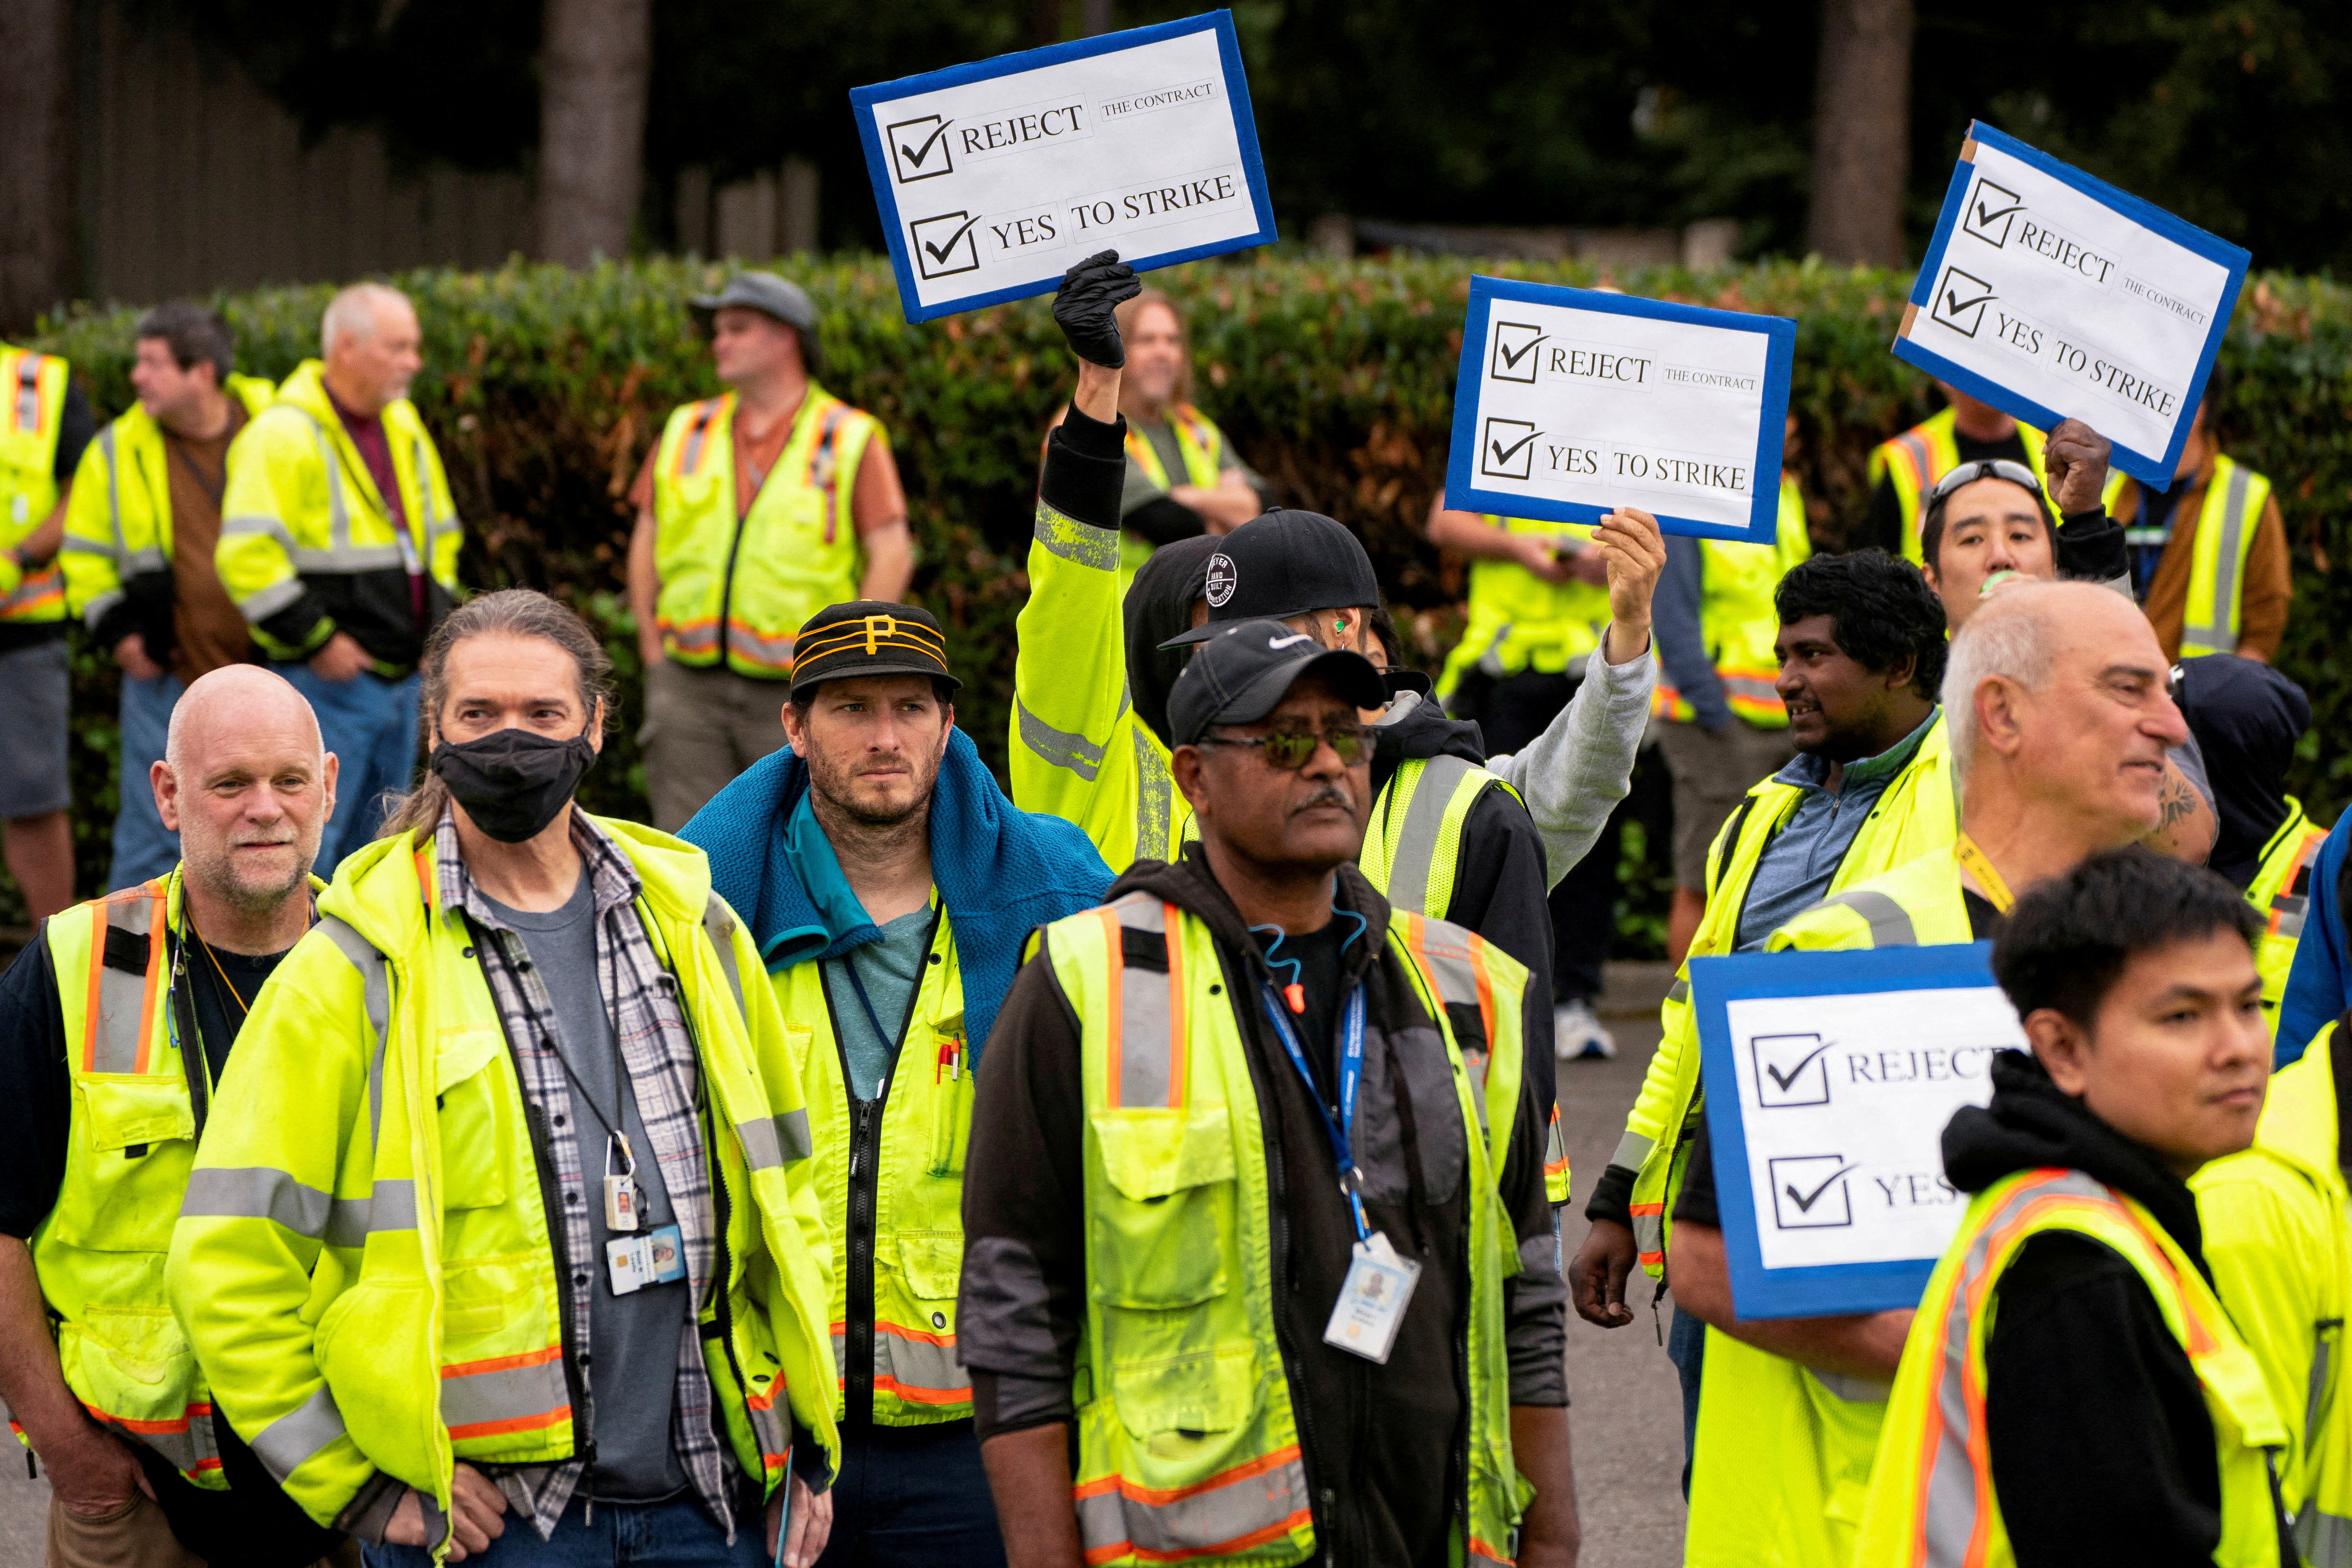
114,1026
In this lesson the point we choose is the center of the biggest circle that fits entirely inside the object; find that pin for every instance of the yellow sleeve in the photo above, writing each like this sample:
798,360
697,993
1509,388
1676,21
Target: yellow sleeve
92,552
2268,1241
276,489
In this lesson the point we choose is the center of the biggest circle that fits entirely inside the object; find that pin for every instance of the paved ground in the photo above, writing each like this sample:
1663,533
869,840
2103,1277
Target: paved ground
1626,1412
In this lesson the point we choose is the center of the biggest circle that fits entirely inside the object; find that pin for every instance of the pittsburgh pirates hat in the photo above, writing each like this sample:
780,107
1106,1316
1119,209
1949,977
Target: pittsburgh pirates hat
869,636
1245,668
1283,563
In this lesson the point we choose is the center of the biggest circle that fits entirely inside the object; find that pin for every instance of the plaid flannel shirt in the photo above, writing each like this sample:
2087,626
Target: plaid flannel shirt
657,1048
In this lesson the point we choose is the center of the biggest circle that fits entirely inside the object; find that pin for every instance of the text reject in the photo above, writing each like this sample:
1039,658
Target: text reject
993,179
2052,295
1570,403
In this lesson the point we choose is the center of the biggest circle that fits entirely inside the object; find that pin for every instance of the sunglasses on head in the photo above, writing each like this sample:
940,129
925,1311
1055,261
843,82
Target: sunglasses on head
1986,468
1288,750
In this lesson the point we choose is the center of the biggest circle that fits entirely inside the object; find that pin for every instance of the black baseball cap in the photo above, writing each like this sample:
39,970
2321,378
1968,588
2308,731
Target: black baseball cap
869,636
1285,563
1245,668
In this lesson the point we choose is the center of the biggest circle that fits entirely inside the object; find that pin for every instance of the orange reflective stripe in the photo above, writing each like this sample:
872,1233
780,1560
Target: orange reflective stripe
2290,896
690,451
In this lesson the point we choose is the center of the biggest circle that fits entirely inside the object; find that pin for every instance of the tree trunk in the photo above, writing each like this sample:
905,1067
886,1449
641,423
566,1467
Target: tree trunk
37,199
596,64
1862,132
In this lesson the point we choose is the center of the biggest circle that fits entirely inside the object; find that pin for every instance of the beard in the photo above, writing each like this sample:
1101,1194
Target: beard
836,787
256,892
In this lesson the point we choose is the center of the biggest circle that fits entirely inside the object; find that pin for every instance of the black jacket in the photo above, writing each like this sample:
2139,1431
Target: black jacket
1383,1444
2102,1449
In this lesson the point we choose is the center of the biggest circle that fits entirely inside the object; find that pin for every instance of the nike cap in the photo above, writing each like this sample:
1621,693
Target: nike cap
1285,563
1245,668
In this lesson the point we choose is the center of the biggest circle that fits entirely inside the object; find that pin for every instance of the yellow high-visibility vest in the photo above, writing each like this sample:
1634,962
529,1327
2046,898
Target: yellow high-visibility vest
1517,621
34,387
2281,892
1738,620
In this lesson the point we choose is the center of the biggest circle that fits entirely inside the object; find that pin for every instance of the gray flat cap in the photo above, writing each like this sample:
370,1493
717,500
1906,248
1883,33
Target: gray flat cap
760,291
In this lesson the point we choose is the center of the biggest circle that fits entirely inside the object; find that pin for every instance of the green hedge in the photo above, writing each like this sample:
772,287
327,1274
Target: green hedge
546,387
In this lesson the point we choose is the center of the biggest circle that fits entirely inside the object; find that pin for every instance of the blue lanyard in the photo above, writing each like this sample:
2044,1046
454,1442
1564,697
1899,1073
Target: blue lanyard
1352,1074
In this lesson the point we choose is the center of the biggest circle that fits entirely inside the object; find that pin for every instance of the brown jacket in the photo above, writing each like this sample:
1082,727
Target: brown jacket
2264,593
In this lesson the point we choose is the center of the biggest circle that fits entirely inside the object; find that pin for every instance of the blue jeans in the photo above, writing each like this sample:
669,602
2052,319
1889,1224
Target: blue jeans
912,1497
1686,1347
673,1534
371,725
143,847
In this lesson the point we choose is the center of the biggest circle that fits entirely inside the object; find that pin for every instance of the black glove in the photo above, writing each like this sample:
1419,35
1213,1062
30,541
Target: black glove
1083,304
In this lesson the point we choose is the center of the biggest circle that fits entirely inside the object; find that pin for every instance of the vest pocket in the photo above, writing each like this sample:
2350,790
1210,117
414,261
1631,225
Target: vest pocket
123,1111
1157,1237
132,1363
128,1168
474,1110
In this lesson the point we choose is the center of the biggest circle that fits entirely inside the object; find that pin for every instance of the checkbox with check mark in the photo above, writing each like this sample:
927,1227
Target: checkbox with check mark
920,149
1992,209
1960,301
1514,351
1790,1069
944,245
1809,1191
1507,449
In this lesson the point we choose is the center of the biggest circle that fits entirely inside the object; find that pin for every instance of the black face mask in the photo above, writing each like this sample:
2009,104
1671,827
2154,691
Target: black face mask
513,782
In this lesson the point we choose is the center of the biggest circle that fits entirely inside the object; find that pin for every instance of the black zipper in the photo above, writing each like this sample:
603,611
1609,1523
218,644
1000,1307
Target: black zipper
727,584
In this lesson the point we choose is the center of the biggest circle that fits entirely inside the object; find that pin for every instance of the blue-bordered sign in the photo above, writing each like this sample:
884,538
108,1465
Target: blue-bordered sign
1571,402
1829,1077
2052,295
994,178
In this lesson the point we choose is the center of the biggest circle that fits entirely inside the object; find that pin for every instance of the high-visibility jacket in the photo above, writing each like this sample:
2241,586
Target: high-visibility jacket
1915,813
1781,1464
1917,459
1188,1443
1738,620
890,1181
138,1103
1932,1501
2280,892
1520,622
1199,443
119,522
35,387
302,515
760,575
363,1260
2234,498
2279,1241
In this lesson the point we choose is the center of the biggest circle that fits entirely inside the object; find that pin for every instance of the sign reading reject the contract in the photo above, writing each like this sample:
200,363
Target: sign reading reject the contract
1829,1077
994,178
1571,402
2052,295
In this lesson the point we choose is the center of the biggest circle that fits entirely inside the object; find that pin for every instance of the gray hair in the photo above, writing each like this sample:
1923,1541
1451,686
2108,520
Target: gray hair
2007,639
352,313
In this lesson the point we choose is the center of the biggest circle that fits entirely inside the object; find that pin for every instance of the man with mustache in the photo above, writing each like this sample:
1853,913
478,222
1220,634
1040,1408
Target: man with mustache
2060,717
1254,1157
114,1027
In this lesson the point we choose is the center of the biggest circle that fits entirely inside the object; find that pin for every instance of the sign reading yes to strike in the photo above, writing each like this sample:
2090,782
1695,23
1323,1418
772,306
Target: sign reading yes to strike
2050,294
994,178
1829,1077
1571,402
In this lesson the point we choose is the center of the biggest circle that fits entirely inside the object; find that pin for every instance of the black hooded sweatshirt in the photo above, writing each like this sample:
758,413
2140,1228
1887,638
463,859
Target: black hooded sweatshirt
1383,1444
2102,1448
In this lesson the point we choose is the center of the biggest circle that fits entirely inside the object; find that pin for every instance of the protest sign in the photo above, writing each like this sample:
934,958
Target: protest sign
1829,1077
1571,402
994,178
2051,295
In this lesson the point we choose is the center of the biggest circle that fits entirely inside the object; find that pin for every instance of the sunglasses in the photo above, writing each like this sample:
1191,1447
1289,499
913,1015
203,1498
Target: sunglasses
1288,750
1986,468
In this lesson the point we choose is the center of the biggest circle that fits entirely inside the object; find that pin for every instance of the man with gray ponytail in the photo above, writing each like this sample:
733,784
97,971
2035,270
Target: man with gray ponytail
504,1239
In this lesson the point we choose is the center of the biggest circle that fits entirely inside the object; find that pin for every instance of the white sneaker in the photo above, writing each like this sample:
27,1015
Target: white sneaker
1576,1033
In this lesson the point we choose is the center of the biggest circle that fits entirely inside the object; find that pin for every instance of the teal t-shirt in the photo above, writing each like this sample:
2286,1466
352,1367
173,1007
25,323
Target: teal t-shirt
887,971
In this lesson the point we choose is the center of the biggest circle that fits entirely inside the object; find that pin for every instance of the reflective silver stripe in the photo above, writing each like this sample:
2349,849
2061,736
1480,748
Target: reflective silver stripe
113,487
1890,925
1650,1235
1632,1150
184,1449
1948,1520
265,603
1073,540
773,1141
391,1204
768,1429
75,544
1149,1003
2323,1539
137,561
350,558
261,523
1679,991
28,392
294,1436
116,1032
696,432
339,511
1852,1389
1063,748
502,1394
98,610
256,1192
2213,634
1200,1522
918,1363
1155,795
719,925
376,986
1449,964
1424,819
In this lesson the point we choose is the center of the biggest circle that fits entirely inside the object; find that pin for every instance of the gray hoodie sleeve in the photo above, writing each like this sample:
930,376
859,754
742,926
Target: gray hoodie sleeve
1574,774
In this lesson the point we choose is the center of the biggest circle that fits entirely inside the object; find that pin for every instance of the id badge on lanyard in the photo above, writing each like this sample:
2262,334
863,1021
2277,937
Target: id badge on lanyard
1380,1283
